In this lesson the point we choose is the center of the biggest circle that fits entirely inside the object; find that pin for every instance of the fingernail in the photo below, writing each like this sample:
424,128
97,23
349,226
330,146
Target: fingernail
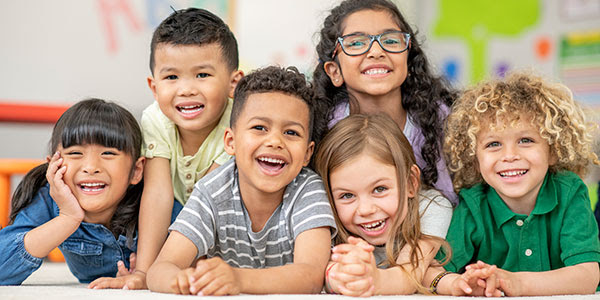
193,289
125,287
192,279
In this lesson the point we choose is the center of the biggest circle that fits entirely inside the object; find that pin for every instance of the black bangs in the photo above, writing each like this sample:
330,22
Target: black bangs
100,123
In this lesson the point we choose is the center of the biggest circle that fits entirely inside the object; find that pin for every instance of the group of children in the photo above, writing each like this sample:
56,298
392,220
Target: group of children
228,201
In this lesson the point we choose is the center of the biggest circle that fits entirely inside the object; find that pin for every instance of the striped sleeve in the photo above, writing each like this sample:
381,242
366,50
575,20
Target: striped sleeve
197,221
310,207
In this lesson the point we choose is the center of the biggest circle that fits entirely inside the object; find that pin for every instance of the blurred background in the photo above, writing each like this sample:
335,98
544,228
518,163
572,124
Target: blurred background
58,52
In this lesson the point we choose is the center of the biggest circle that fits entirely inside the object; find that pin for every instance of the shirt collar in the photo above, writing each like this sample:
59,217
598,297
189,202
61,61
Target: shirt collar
545,202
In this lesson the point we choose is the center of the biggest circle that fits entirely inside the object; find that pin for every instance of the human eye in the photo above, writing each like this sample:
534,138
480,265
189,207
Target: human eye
202,75
171,77
292,132
380,189
356,41
525,141
259,128
346,196
110,152
492,144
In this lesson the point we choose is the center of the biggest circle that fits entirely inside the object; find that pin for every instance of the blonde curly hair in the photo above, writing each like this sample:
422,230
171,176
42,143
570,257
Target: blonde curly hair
549,106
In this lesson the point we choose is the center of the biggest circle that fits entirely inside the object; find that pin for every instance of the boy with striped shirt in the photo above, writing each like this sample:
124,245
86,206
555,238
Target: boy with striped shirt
261,223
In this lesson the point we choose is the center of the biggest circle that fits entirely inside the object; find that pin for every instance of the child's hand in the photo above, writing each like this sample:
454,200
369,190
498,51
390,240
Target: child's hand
182,281
122,270
355,273
214,277
478,280
507,282
133,281
60,192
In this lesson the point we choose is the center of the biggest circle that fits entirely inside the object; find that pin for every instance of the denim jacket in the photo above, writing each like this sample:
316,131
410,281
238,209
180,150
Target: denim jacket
92,251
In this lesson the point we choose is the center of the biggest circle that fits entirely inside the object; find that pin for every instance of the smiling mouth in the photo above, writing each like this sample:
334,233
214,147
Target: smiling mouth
376,71
92,187
190,109
373,226
271,164
509,174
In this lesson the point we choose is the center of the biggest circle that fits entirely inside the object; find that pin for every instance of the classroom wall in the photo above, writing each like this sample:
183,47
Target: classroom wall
61,51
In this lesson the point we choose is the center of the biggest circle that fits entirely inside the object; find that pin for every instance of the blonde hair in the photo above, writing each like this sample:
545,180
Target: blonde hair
376,135
560,120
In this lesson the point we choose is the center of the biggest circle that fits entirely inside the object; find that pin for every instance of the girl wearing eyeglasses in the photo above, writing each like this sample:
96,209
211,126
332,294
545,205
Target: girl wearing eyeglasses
370,62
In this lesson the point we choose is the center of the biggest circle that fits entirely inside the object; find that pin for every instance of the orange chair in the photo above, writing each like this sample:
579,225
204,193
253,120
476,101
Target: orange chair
9,167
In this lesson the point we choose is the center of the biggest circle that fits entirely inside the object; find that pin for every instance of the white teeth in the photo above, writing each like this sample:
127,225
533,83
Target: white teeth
512,173
374,225
271,160
92,184
190,109
376,71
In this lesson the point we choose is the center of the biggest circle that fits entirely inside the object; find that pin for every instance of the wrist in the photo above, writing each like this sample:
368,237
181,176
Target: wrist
435,287
328,287
70,219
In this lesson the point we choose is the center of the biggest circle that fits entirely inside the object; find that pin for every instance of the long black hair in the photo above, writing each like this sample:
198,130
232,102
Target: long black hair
422,92
92,121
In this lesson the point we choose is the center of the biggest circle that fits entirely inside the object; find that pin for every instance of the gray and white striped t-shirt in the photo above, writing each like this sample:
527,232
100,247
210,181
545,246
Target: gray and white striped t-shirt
216,221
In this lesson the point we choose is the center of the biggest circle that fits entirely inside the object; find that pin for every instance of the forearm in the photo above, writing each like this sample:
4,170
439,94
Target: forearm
395,281
42,239
161,276
154,222
294,278
578,279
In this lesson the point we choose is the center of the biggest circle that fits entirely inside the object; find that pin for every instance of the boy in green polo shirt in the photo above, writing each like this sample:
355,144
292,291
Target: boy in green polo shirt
518,149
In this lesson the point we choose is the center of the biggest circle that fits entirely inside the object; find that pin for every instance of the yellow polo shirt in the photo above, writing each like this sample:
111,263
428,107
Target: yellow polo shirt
161,139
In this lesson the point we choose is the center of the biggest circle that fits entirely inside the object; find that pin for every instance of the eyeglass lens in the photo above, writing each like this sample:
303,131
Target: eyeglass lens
357,44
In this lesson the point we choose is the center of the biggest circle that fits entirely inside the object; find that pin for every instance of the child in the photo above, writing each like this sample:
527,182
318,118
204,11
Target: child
370,61
84,200
373,182
194,65
526,210
260,223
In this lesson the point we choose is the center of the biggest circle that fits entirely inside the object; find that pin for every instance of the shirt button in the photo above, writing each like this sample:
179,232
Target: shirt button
188,176
187,164
151,146
528,252
189,190
519,223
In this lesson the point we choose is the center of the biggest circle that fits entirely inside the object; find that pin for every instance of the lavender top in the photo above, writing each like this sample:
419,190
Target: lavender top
416,139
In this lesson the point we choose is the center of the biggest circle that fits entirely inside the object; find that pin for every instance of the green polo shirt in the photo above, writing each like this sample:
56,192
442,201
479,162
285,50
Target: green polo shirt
560,231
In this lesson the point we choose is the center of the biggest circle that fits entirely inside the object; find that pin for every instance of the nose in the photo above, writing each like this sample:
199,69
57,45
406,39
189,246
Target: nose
91,165
274,140
187,88
510,153
366,206
376,50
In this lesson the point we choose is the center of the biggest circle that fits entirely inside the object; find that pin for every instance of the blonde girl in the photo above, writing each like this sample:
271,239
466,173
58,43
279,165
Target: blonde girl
384,242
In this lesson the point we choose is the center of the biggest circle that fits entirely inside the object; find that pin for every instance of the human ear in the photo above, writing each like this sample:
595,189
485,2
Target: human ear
234,79
334,72
229,143
152,86
413,181
138,171
309,153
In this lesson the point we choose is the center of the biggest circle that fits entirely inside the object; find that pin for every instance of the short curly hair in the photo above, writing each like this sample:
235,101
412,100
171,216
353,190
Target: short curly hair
560,119
288,81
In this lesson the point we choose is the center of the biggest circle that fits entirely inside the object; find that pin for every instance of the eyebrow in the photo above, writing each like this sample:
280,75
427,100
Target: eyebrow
286,123
198,67
383,31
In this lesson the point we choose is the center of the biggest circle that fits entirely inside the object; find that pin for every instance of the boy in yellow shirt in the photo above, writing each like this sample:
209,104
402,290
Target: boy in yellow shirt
194,65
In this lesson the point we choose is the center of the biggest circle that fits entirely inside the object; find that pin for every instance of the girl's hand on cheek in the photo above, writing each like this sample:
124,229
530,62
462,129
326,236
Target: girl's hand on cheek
60,192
